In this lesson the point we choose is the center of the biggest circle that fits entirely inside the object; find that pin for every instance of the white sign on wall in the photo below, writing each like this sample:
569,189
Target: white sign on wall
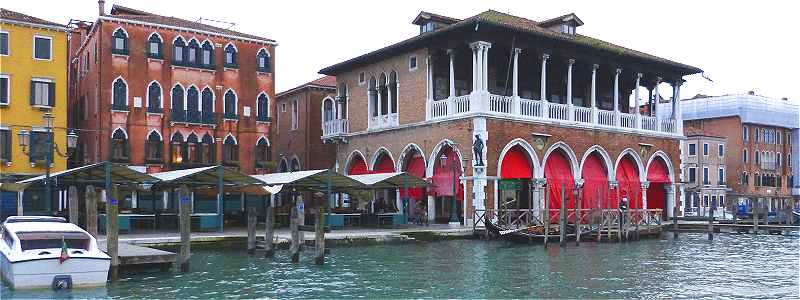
247,111
137,102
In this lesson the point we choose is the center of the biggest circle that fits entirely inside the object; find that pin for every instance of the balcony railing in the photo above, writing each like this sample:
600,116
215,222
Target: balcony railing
208,118
332,128
529,109
193,116
769,164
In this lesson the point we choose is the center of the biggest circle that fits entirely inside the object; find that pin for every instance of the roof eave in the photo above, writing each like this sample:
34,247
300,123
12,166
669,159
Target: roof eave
137,22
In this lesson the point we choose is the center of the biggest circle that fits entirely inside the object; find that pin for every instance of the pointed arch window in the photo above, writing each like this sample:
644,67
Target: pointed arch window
190,149
263,108
119,146
208,150
193,105
120,42
156,46
193,54
372,93
262,60
295,165
207,106
154,98
179,52
341,111
178,112
327,110
153,148
230,151
263,153
393,90
383,95
230,106
176,148
231,57
120,95
207,55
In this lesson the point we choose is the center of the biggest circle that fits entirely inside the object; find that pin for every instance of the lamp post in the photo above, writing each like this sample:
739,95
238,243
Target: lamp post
453,214
50,147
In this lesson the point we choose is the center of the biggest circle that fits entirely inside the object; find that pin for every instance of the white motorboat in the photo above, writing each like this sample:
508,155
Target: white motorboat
41,252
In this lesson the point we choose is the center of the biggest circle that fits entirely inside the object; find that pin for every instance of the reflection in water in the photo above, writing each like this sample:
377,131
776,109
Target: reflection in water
732,266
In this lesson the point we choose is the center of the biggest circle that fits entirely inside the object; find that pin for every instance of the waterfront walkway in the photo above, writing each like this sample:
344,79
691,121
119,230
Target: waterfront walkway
283,235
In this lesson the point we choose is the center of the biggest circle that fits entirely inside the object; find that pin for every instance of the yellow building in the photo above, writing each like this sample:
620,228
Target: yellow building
33,81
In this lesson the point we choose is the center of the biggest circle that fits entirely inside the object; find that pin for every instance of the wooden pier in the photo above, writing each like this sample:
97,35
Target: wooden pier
138,256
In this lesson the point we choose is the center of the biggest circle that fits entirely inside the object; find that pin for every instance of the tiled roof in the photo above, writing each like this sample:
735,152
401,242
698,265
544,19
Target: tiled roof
122,12
326,81
20,17
491,17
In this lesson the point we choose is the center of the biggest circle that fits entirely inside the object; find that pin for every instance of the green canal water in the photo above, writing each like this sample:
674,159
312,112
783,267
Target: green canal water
732,266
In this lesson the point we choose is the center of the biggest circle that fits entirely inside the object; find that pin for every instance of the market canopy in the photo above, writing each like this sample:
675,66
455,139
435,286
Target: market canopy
94,174
312,180
390,180
205,176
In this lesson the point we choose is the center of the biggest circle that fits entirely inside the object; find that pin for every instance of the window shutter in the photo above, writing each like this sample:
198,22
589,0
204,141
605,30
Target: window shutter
32,148
33,93
52,94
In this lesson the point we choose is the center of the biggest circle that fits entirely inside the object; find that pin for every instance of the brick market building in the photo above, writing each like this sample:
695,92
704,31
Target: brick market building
301,112
762,145
164,93
548,107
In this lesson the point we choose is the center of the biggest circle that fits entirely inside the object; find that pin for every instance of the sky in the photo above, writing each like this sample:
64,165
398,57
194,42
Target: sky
741,45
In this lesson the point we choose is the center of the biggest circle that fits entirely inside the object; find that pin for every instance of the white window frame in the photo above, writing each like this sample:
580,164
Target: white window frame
705,201
721,150
9,42
8,90
362,78
689,174
745,133
689,149
706,149
706,179
48,80
416,63
721,171
33,54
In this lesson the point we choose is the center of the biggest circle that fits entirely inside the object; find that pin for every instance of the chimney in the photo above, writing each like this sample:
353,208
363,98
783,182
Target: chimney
751,93
101,6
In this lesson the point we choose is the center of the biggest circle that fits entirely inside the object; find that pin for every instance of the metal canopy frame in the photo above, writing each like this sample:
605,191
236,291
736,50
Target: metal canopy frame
93,174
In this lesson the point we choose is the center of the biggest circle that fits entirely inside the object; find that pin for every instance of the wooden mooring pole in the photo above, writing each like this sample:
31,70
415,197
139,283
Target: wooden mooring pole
675,222
251,229
90,197
73,205
546,215
294,248
562,217
711,224
319,236
185,223
269,247
112,231
600,200
578,220
756,209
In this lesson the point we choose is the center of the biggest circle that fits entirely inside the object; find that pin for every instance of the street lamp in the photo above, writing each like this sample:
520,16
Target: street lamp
453,214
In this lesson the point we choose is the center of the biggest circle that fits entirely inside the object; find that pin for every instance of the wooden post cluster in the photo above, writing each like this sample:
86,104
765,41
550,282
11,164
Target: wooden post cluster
112,230
756,209
294,248
319,236
251,229
91,210
269,247
185,220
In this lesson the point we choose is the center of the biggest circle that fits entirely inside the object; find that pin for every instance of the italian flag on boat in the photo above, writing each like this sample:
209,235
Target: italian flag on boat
64,252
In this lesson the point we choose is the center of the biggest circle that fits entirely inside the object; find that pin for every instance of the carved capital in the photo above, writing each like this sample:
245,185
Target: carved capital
595,67
645,184
619,71
571,61
638,76
451,52
545,56
612,184
517,50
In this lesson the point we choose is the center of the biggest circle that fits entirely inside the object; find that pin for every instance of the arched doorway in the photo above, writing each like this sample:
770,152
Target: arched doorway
414,164
385,200
595,182
658,176
516,172
447,190
558,173
357,166
629,185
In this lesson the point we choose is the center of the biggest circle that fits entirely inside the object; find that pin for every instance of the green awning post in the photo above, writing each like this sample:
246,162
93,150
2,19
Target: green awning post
220,196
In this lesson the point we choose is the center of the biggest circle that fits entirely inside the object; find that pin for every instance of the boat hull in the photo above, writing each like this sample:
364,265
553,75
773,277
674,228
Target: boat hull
41,272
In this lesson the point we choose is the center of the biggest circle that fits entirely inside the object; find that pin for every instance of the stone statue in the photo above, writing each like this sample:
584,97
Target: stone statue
477,148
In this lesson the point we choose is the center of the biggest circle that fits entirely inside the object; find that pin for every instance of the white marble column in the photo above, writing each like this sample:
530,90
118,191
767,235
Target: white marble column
543,86
452,54
593,99
616,96
676,106
515,73
645,186
485,66
672,201
637,101
656,108
570,105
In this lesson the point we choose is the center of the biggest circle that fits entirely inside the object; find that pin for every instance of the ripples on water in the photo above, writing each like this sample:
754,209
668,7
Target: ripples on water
732,266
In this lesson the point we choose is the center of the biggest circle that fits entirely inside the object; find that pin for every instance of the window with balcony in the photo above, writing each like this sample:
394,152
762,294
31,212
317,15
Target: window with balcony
757,180
207,55
5,89
230,151
179,52
262,108
705,200
42,47
230,105
263,153
191,149
393,90
156,46
383,94
177,95
208,106
5,145
153,148
120,45
692,149
154,98
262,61
745,180
372,95
327,110
119,146
193,105
43,93
230,56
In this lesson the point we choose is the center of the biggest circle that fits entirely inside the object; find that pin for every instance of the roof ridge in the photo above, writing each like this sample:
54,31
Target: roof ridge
20,17
129,10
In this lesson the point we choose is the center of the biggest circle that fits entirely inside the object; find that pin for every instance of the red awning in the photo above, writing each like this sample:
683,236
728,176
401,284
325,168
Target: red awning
443,175
595,182
657,172
629,185
358,167
415,166
558,172
383,165
516,164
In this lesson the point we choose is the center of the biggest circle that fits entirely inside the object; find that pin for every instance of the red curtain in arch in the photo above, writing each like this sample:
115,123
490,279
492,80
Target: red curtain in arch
595,182
358,167
443,175
516,164
658,176
383,165
415,165
630,186
558,172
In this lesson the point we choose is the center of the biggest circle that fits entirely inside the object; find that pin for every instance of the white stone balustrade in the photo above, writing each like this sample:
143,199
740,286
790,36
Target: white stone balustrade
334,127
